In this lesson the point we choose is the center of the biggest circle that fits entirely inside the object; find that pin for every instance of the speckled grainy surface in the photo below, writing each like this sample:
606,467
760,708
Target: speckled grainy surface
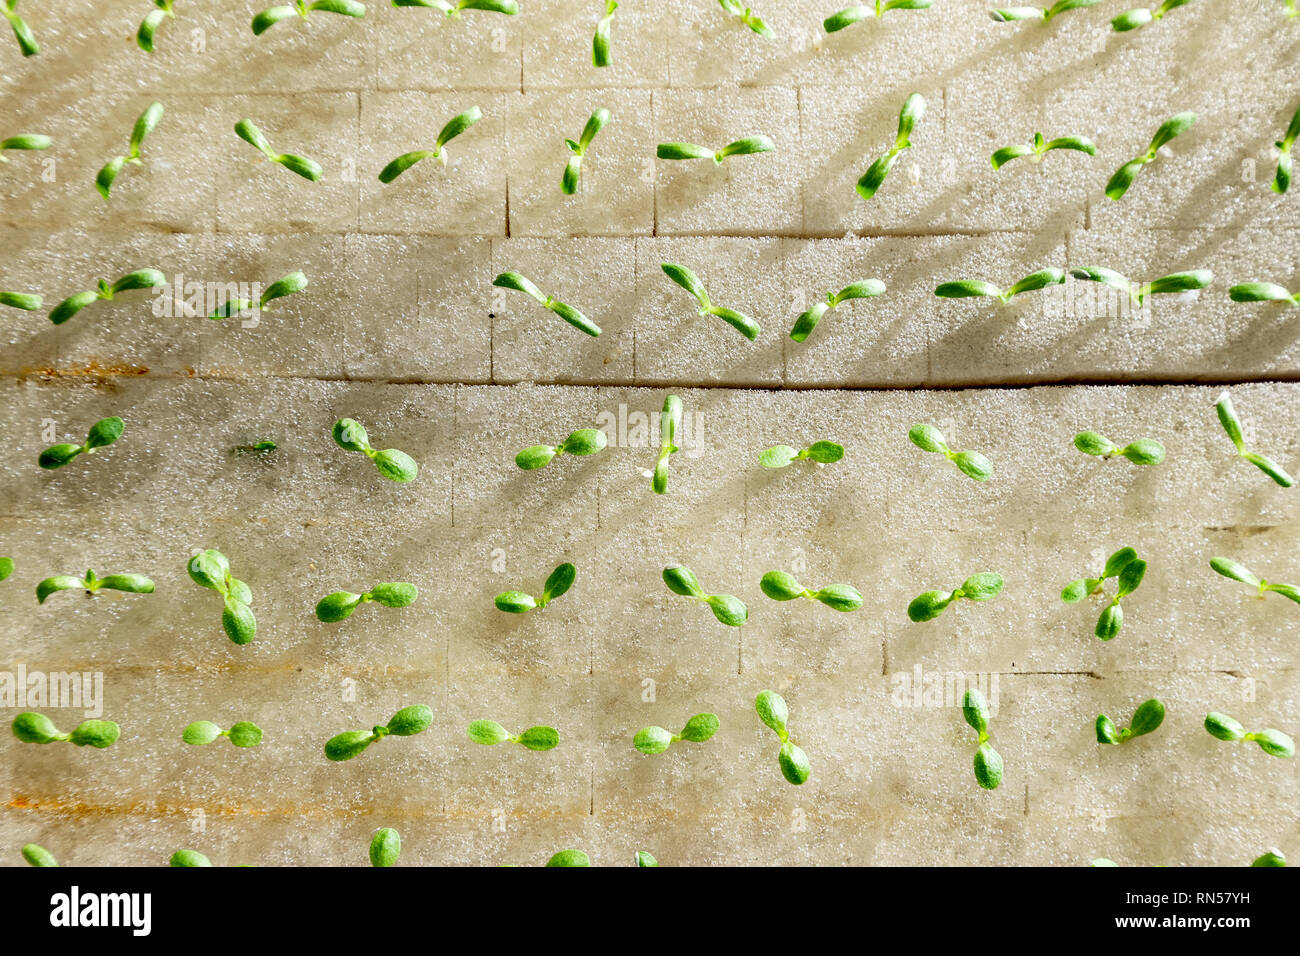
401,329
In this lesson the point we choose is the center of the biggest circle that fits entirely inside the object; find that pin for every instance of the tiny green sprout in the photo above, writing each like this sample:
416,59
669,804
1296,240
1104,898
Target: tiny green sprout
1272,742
688,280
1009,14
27,301
340,605
455,126
866,289
569,858
655,740
1263,292
291,284
780,586
1239,572
24,141
645,859
513,280
520,602
874,177
741,147
103,433
140,279
489,732
149,26
130,583
851,15
188,858
1273,857
1291,10
38,729
974,288
970,463
1132,19
385,847
1143,451
26,40
405,723
585,441
269,18
1282,181
748,17
508,7
600,43
573,169
1128,570
304,167
1124,176
37,855
1149,715
1173,284
773,712
727,609
6,567
988,762
393,464
1232,425
821,452
670,420
211,569
1042,146
984,586
203,732
144,125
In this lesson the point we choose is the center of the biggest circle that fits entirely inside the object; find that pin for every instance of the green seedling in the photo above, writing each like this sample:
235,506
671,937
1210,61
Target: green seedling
688,280
806,322
1232,425
727,609
385,847
131,583
1124,176
748,17
304,167
33,728
144,125
1273,857
455,126
1133,19
973,288
6,567
984,586
203,732
773,712
971,463
1143,451
1282,181
1239,572
37,855
188,858
1009,14
405,723
780,586
600,43
573,169
211,569
1128,570
1263,292
1149,715
988,762
821,452
1272,742
269,18
513,280
569,858
655,740
27,301
645,859
741,147
851,15
874,177
26,40
585,441
291,284
149,26
489,732
103,433
519,602
392,464
1175,283
340,605
140,279
24,142
508,7
1042,146
256,448
670,420
1292,11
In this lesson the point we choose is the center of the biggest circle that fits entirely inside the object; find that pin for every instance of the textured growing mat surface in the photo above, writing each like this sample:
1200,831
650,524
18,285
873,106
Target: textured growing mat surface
401,328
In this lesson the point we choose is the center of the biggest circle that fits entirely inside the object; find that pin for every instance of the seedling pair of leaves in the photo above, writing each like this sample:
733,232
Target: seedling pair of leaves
573,169
453,10
1239,572
984,586
1134,19
781,586
988,762
670,421
405,723
970,463
520,602
655,740
847,17
455,126
104,432
339,605
1149,715
585,441
27,142
489,732
1124,176
973,288
33,728
1143,451
144,125
1128,570
203,732
22,32
513,280
689,281
306,168
1010,14
269,18
821,452
1173,284
748,146
1232,425
773,712
1272,742
149,26
727,609
1282,181
1041,146
140,279
211,569
866,289
393,464
291,284
874,177
748,17
130,583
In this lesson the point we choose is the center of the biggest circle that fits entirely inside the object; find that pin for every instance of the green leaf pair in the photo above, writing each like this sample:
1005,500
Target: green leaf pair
339,605
585,441
393,464
1009,14
727,609
1232,425
291,284
33,728
508,7
1272,742
1175,283
140,279
806,322
851,15
385,847
670,421
1128,570
1239,572
304,167
1041,146
655,740
489,732
27,301
1133,19
1263,292
269,18
1282,180
26,142
144,125
780,586
203,732
149,26
748,17
988,762
1149,715
210,569
1143,451
513,280
741,147
874,177
104,432
970,463
689,281
26,40
984,586
130,583
405,723
455,126
520,602
821,452
773,712
601,42
573,169
973,288
1124,176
